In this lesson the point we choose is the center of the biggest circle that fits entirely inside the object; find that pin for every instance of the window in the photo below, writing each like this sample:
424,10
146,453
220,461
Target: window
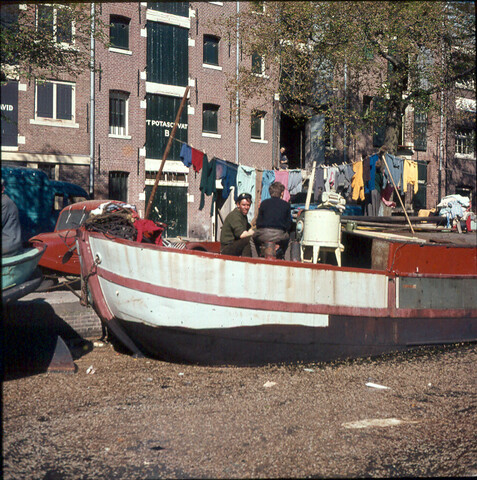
210,118
55,23
420,130
258,64
119,32
55,100
118,186
258,125
211,50
465,141
118,113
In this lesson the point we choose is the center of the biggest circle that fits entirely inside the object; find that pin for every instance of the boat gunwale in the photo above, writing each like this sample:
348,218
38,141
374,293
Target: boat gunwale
391,273
41,249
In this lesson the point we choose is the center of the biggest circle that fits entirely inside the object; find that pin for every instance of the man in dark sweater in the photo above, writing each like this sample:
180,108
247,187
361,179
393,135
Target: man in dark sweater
274,221
236,231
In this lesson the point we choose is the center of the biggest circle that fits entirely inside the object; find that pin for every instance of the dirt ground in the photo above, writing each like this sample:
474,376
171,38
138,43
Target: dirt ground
141,418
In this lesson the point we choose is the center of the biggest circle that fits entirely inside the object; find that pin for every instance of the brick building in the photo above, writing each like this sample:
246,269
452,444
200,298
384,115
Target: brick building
108,131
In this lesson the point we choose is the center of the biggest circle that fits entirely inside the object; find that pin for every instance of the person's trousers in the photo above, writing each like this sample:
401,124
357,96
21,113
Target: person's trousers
238,248
264,235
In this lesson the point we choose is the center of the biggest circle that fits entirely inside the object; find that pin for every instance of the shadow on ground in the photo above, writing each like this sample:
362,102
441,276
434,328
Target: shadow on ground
30,339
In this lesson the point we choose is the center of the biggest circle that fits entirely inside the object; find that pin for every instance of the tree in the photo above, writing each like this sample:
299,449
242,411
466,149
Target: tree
326,53
42,40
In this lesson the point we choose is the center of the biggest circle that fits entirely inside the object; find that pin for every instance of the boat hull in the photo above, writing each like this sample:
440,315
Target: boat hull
17,273
198,307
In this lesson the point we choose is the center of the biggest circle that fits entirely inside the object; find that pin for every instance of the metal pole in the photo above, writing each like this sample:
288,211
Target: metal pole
237,99
166,152
92,109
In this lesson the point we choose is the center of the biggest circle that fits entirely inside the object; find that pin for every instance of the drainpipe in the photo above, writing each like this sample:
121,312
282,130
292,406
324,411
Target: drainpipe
92,109
345,130
237,100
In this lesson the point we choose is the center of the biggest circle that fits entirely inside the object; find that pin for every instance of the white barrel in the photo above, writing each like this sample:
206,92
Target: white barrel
321,227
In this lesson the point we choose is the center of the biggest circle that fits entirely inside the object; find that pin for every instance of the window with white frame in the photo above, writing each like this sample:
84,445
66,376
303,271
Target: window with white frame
119,32
465,141
211,50
118,113
55,22
55,100
258,64
210,118
257,125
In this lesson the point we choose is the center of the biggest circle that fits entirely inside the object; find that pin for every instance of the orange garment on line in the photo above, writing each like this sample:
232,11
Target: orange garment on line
409,175
357,183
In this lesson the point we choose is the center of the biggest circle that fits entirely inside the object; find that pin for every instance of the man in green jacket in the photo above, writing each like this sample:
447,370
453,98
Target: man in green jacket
236,231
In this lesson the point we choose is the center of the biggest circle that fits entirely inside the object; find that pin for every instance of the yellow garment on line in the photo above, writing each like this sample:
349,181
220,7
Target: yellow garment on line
409,175
357,183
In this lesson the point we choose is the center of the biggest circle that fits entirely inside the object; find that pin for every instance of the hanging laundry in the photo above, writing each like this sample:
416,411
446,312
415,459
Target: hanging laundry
197,159
246,177
330,182
395,165
369,185
282,177
319,186
207,183
345,175
366,169
294,181
409,175
357,183
227,173
268,178
186,155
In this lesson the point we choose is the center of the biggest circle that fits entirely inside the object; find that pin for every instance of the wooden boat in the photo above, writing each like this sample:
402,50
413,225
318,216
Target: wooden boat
201,307
19,276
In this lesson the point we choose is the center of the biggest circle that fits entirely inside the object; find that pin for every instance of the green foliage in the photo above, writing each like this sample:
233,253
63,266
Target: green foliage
401,52
44,40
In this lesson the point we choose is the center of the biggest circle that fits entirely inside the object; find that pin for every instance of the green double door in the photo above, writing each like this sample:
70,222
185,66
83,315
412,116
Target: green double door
170,207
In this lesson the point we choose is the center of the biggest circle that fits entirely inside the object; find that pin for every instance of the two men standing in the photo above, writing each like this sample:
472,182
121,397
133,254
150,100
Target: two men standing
273,224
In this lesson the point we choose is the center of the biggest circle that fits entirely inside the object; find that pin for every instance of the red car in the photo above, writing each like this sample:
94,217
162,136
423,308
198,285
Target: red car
62,238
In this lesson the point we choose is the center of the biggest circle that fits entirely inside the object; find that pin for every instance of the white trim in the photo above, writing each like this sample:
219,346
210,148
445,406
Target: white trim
21,140
464,156
143,104
120,50
144,32
45,158
143,75
124,137
154,16
256,140
211,135
190,110
9,149
191,42
465,104
142,152
54,123
163,89
22,87
171,166
219,4
212,67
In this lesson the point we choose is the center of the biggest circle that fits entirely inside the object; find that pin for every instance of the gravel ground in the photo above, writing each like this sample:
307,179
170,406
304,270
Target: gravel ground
142,418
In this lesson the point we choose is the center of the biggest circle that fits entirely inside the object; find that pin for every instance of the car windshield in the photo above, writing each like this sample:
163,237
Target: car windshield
70,219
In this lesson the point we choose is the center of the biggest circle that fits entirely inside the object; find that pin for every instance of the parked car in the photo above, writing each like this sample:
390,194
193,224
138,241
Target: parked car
63,238
38,199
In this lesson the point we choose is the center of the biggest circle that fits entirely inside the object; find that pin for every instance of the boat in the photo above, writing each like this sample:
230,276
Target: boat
19,273
383,293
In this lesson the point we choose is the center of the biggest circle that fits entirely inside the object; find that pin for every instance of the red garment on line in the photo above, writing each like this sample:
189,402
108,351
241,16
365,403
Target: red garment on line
197,158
